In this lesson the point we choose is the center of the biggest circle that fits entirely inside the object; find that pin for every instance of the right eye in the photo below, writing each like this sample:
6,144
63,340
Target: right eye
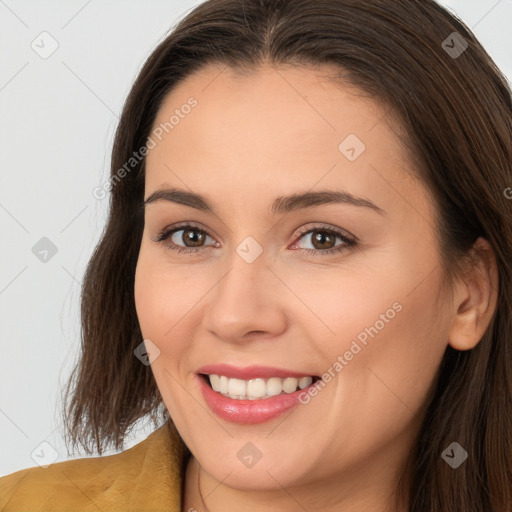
171,236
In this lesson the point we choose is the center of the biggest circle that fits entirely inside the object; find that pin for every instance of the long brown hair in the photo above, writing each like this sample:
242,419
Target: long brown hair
455,108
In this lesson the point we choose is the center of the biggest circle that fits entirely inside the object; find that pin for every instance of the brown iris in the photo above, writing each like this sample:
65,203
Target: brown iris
321,237
194,236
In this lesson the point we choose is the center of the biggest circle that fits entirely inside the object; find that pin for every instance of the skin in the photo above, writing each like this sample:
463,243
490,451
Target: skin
251,139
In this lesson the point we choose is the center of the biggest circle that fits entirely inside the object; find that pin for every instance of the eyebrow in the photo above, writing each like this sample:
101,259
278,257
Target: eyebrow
281,205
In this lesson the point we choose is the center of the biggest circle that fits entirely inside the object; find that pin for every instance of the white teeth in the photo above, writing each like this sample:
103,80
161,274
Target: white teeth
274,386
223,384
304,382
257,388
290,385
237,388
215,382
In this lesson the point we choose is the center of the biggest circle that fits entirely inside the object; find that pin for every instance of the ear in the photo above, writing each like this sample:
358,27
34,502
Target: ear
475,298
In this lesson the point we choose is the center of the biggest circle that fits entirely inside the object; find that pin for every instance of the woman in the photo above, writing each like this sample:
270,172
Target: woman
306,270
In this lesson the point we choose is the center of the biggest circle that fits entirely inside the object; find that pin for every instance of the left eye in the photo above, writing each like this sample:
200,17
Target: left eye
323,239
327,236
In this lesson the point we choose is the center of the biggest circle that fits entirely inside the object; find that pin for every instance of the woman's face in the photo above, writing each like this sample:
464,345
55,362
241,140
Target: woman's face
271,284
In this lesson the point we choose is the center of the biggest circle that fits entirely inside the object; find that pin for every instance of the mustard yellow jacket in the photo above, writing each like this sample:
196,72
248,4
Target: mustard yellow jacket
145,478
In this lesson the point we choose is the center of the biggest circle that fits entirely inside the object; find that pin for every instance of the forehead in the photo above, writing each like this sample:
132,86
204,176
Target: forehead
282,128
278,107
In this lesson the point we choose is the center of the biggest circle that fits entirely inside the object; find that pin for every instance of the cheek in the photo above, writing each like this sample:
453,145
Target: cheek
165,299
399,339
379,326
147,292
339,310
162,304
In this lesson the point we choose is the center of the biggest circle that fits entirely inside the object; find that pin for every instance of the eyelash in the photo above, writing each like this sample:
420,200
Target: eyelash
170,230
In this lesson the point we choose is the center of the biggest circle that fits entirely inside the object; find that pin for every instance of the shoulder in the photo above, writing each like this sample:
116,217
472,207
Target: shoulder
115,482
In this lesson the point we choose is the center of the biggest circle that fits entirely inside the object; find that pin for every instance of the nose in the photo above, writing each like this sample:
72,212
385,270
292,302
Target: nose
247,303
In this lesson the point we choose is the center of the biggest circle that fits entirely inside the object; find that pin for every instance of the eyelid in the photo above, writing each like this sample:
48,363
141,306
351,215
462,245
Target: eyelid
167,230
312,226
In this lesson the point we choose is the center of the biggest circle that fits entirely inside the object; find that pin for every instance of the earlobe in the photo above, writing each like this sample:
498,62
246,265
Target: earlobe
475,299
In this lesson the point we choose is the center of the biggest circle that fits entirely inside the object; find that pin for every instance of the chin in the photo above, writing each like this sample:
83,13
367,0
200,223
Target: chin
263,476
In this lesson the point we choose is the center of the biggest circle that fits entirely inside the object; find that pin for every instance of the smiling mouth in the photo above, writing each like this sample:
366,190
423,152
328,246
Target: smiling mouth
256,389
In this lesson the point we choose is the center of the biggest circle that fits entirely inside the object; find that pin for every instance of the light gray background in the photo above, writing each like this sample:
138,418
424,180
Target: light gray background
58,117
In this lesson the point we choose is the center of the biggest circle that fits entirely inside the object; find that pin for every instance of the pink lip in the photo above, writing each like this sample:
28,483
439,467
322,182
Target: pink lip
249,372
248,411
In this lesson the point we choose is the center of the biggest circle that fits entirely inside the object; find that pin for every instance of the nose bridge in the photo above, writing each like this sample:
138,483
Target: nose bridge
245,281
244,298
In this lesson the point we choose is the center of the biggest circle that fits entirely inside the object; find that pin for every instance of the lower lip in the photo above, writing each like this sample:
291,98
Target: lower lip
248,411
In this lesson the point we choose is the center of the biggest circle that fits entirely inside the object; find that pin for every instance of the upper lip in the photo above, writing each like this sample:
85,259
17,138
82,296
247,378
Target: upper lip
249,372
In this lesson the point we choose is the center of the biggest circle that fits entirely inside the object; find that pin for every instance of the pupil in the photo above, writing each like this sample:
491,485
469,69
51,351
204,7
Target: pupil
321,237
194,236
